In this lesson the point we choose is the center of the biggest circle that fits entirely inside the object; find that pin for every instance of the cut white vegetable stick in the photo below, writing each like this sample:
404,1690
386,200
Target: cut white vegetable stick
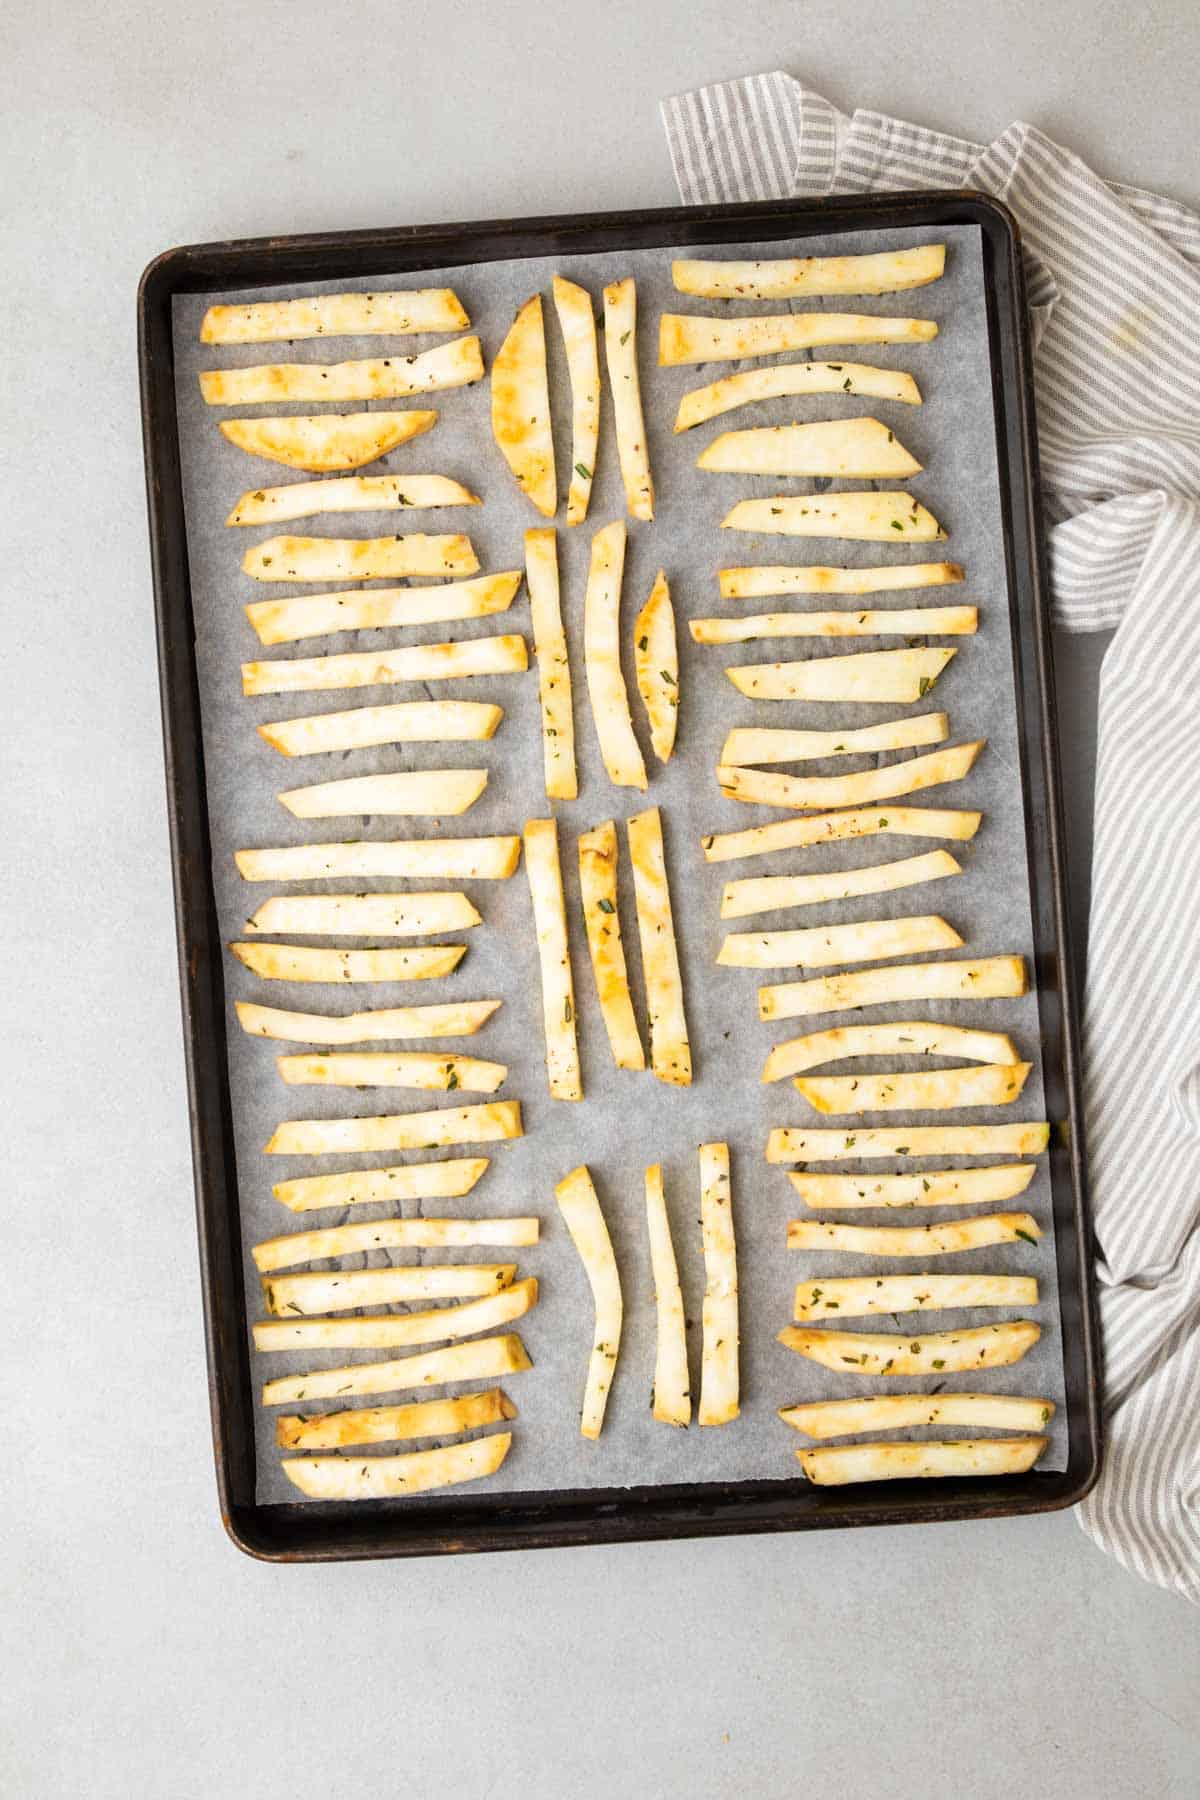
375,609
836,1465
391,1234
342,1290
696,337
360,915
408,722
671,1395
395,1331
580,1208
483,1360
767,893
852,449
446,859
719,1373
747,745
402,1069
875,676
602,922
574,307
788,278
852,1296
405,793
938,1090
937,1187
984,978
457,1018
388,1477
861,516
916,621
492,1123
521,407
391,1424
656,662
827,1144
813,578
495,655
907,1037
620,350
822,946
889,1412
757,787
828,828
544,870
877,1353
948,1239
302,962
554,666
377,378
350,493
447,1179
670,1050
335,315
325,442
360,559
602,659
785,379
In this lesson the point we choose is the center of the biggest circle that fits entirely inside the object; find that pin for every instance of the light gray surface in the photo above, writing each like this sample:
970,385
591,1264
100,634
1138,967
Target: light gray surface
140,1654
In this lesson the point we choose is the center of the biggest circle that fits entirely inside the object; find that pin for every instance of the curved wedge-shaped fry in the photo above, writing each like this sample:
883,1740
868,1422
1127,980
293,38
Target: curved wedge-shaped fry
671,1395
364,915
874,676
789,278
656,662
915,621
854,1296
341,1290
905,1038
984,978
580,1208
302,962
494,1122
767,893
602,659
719,1362
484,1360
553,662
390,1234
323,443
937,1090
375,609
392,1424
828,828
573,305
453,859
457,1018
860,516
758,787
406,722
500,654
351,493
380,378
879,1353
388,1477
948,1239
695,337
544,871
670,1049
521,407
786,379
937,1187
335,315
837,1465
402,1069
825,1144
824,946
360,559
447,1179
852,449
602,922
813,578
890,1412
406,793
620,352
747,745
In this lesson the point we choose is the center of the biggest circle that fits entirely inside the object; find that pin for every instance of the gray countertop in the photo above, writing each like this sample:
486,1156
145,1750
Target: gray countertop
142,1655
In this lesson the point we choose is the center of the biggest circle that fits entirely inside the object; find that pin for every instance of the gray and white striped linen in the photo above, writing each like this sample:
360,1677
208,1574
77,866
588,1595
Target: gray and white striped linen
1114,277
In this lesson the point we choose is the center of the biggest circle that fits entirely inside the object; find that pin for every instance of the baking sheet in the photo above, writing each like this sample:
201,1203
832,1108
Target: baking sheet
627,1120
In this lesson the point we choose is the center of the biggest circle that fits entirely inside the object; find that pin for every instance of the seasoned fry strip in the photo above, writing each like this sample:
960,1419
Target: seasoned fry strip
757,787
917,621
865,517
813,578
747,745
696,337
879,272
620,351
323,443
395,1331
392,1424
851,449
785,379
890,1412
602,659
392,1234
335,315
457,1018
670,1050
554,666
656,662
406,793
580,1208
767,893
671,1395
362,915
828,828
823,946
447,1179
521,407
544,870
344,1289
948,1239
876,676
446,859
854,1296
403,1069
939,1090
879,1353
408,722
982,978
719,1374
937,1187
904,1038
834,1466
302,962
495,655
488,1124
602,922
387,1477
375,609
573,305
484,1360
350,493
360,559
827,1144
380,378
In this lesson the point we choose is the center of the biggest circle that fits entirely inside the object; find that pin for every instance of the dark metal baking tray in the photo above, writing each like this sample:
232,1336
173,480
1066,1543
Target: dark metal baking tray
302,1532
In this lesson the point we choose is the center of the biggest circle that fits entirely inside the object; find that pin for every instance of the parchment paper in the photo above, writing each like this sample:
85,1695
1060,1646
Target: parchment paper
626,1120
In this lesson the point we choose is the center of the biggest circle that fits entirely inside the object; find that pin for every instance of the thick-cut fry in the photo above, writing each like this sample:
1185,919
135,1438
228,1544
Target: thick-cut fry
696,337
573,305
620,350
457,1018
395,1331
554,666
671,1395
874,676
993,1084
879,1353
362,727
391,1424
325,442
342,1290
406,793
948,1239
789,278
392,1234
747,745
851,449
822,946
351,493
812,578
495,655
767,893
854,1296
602,659
376,609
757,787
905,1038
379,378
785,379
602,922
670,1050
864,517
388,1477
938,1187
303,962
445,859
889,1412
447,1179
402,1069
521,407
917,621
360,559
484,1360
826,1144
828,828
719,1374
544,870
984,978
364,915
656,662
492,1123
335,315
836,1465
580,1208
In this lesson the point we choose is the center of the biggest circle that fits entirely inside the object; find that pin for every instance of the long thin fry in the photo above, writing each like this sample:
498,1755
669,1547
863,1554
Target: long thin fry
813,578
488,1124
889,1412
876,676
405,793
992,1084
521,407
788,278
854,1296
360,559
904,1038
747,745
602,659
767,893
828,828
573,305
671,1395
363,915
349,493
392,1424
390,1234
388,1477
873,518
948,1239
401,1069
916,621
602,923
544,870
580,1208
495,655
851,449
446,859
362,727
834,1466
693,337
758,787
554,666
395,1331
456,1018
484,1360
782,380
620,350
344,1289
823,946
719,1371
981,978
826,1144
379,378
303,962
326,442
656,662
879,1353
376,609
447,1179
937,1187
394,314
670,1049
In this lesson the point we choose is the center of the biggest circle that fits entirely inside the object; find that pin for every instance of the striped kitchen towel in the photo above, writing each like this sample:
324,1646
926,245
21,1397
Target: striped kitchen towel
1114,281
